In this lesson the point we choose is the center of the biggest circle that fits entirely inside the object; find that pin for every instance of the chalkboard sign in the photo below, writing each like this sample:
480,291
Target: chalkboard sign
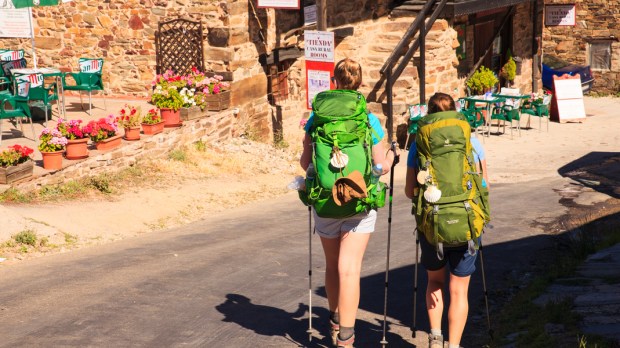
567,104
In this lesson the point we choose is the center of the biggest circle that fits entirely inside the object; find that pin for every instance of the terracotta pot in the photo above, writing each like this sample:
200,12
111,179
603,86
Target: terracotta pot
52,160
77,149
109,143
132,133
151,129
171,118
16,172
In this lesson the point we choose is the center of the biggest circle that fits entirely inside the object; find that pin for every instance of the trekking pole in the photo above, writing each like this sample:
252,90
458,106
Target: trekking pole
309,331
484,286
415,282
387,257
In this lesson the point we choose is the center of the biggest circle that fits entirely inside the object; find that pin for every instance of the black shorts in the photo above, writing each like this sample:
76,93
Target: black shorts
462,264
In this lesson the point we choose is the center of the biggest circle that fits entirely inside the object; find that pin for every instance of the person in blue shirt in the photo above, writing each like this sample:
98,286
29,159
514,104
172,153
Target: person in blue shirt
458,261
344,240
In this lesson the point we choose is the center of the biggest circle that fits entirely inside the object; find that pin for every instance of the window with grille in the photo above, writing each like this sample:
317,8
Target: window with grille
278,82
600,55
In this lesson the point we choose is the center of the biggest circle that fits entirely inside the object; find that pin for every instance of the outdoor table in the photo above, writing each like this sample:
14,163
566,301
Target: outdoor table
489,103
48,72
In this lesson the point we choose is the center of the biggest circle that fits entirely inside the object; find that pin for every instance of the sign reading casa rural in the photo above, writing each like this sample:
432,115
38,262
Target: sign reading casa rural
319,46
319,52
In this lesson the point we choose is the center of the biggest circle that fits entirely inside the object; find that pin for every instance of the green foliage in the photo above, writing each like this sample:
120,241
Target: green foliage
178,155
509,70
27,237
201,146
482,80
168,98
70,239
101,183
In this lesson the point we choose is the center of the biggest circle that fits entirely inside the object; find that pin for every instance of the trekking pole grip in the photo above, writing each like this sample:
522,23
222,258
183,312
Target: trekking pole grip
396,156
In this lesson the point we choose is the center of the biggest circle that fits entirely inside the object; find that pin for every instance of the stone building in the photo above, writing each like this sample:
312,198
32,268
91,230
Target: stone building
261,49
588,34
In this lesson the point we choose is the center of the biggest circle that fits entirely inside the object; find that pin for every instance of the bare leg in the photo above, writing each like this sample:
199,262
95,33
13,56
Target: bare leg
352,248
459,307
331,248
434,296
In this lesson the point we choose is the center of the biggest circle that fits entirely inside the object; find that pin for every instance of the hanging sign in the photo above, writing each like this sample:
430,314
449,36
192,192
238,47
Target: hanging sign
560,15
14,23
319,53
310,15
319,46
280,4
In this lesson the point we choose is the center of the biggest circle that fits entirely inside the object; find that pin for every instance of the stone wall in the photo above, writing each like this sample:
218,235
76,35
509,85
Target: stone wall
594,20
213,128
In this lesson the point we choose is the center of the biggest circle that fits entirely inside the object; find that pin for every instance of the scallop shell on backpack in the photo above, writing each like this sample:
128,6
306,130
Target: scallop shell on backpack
339,160
422,177
432,194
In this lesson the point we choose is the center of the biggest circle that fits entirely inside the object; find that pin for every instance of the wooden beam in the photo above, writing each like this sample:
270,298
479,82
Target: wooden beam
321,12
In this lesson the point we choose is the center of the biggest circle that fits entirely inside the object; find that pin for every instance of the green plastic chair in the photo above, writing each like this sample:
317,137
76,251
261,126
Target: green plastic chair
507,113
6,78
537,110
88,79
19,108
38,92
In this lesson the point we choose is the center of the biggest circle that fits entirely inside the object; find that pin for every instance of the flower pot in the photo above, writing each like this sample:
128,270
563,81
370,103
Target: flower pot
151,129
171,118
192,113
13,173
109,143
76,149
217,102
132,133
52,160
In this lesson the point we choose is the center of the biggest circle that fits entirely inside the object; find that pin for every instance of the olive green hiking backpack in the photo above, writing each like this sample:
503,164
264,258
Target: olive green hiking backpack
452,206
340,126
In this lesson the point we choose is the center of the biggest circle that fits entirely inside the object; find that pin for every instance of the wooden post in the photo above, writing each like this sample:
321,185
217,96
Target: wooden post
321,13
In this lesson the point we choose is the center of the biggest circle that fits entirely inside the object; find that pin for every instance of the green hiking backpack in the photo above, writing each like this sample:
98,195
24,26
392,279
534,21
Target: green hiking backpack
452,206
341,123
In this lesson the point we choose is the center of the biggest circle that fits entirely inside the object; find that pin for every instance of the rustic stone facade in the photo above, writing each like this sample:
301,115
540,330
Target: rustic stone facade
237,35
595,20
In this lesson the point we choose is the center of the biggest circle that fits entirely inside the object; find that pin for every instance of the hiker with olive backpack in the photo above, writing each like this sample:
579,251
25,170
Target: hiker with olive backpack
341,146
448,184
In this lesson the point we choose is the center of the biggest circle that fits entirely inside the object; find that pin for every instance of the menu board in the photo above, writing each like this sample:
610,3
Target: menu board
567,104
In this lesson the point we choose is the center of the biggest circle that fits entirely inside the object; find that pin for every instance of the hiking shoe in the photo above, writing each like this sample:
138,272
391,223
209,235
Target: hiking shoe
334,329
435,341
348,343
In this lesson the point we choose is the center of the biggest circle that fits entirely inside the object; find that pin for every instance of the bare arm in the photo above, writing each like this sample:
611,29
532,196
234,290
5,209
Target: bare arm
485,175
384,156
410,182
306,155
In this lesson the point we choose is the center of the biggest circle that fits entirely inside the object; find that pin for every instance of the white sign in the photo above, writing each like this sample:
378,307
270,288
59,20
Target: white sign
15,23
319,46
283,4
560,15
310,15
318,81
569,99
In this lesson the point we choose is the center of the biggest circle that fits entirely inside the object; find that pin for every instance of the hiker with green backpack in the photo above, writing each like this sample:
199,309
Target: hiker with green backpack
341,147
448,184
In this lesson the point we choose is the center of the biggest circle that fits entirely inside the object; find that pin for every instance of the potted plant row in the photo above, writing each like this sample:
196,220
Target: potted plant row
194,90
15,164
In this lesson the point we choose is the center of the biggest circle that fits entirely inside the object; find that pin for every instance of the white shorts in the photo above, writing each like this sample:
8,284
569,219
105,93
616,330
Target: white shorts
332,228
